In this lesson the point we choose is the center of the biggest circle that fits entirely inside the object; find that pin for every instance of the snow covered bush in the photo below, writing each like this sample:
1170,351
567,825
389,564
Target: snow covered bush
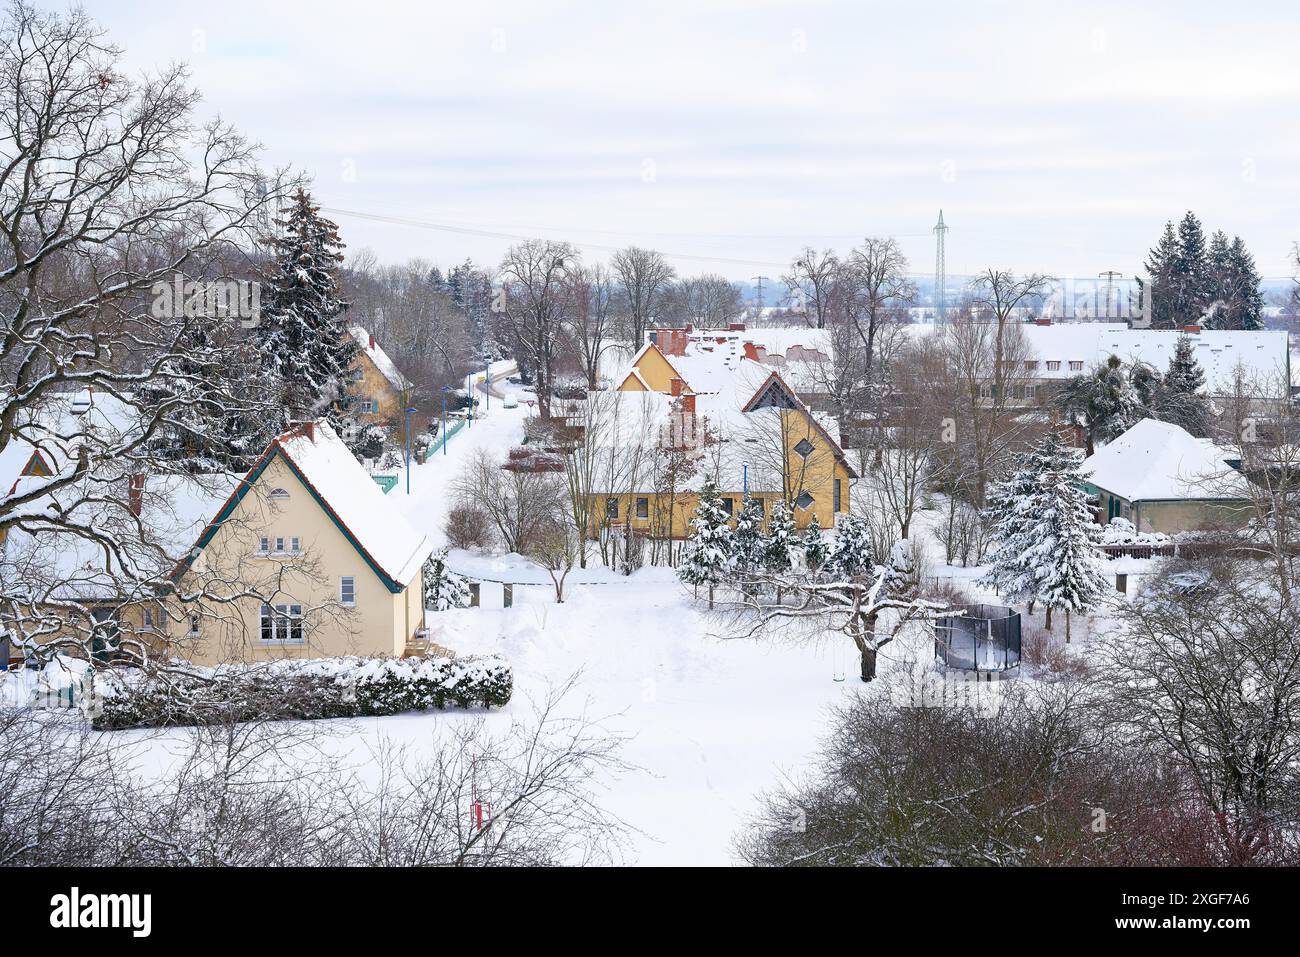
443,588
306,690
1120,531
707,556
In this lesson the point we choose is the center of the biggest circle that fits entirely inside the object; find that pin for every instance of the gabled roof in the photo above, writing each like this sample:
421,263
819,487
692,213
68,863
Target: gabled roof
800,405
379,358
1158,461
347,494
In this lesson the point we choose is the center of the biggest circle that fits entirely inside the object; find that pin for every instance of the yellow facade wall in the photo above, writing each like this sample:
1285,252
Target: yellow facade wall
657,372
379,623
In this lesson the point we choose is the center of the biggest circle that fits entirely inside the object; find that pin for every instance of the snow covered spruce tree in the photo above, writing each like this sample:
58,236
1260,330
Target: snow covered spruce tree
707,556
748,545
851,555
781,541
443,588
815,551
114,193
1047,550
302,339
1181,400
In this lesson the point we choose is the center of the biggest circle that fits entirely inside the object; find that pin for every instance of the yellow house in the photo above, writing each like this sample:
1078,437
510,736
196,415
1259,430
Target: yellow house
735,420
380,392
306,558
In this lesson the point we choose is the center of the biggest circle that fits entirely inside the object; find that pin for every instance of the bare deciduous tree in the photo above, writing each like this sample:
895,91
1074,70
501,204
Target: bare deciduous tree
644,276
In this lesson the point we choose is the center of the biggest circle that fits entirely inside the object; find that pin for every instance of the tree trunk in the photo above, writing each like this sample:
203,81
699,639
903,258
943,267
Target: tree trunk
1067,624
710,597
868,664
1048,623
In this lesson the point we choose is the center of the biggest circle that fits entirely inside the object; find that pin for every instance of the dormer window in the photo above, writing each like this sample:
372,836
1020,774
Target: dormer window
1053,365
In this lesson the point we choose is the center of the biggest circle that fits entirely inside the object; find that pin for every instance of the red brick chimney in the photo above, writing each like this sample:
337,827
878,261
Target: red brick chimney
676,386
688,403
309,430
372,342
736,327
1192,328
751,352
1043,322
135,494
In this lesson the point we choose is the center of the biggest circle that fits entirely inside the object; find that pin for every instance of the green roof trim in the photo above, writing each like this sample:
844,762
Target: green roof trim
238,495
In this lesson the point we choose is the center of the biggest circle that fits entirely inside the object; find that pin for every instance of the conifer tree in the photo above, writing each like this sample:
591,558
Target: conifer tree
443,588
1181,400
707,555
1192,284
748,546
852,554
1158,285
815,551
780,542
1046,549
302,338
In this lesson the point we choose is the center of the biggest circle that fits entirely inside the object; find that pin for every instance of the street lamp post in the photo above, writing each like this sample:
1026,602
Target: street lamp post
744,481
408,450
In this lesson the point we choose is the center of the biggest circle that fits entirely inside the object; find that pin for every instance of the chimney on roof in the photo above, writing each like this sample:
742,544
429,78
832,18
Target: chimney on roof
1192,329
736,327
309,430
135,493
372,342
1043,322
688,403
676,386
751,352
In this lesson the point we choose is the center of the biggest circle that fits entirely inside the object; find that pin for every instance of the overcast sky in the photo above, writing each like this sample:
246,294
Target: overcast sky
1055,137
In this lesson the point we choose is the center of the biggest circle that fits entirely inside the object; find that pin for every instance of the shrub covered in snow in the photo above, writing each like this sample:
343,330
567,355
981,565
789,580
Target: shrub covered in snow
1120,531
310,689
443,588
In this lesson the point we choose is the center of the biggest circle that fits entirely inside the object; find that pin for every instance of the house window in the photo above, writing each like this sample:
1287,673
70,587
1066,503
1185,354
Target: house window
279,494
728,505
839,489
294,545
1076,365
282,623
1053,365
279,544
611,508
1031,364
643,508
263,545
804,448
986,392
348,590
194,626
148,619
804,501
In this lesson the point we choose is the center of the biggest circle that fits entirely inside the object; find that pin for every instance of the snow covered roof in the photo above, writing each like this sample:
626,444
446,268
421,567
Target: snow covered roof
348,495
799,352
1262,354
1156,460
380,358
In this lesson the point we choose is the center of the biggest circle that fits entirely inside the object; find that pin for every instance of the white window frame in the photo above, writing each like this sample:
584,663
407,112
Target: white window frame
264,545
194,626
347,583
285,620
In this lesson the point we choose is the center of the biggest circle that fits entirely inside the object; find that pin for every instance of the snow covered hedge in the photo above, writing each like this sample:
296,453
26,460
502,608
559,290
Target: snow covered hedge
1120,531
326,688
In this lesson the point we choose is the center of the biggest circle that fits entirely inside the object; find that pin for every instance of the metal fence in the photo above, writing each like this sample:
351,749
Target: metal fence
985,638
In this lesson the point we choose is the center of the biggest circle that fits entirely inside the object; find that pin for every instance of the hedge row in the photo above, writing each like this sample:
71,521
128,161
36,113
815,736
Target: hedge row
327,688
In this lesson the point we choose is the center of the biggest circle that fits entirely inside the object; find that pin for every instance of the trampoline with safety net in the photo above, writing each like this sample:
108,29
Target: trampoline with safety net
986,638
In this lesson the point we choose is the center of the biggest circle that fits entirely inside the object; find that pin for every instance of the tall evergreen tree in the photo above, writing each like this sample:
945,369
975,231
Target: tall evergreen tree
1046,549
1246,300
1157,287
302,338
1192,284
1181,400
707,554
